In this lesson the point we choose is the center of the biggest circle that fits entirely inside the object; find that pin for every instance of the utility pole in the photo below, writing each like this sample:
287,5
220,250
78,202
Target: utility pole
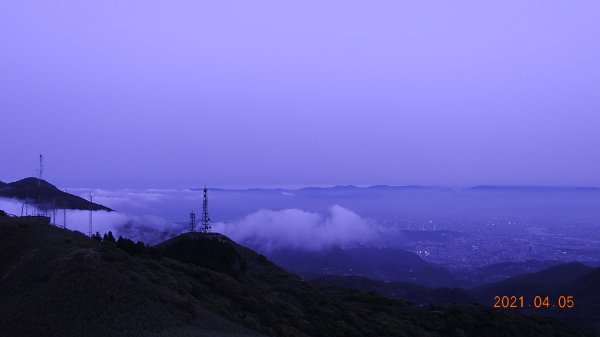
27,201
54,213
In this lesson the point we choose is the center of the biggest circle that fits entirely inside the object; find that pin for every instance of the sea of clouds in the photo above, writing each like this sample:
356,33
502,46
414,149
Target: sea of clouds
152,216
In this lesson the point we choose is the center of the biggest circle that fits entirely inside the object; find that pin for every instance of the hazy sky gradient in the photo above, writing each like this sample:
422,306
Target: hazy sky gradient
263,93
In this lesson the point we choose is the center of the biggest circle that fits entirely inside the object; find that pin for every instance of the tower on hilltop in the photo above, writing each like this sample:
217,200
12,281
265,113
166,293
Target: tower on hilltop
205,219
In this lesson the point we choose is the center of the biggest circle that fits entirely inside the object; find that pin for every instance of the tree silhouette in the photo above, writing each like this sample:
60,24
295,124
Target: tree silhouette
108,237
97,237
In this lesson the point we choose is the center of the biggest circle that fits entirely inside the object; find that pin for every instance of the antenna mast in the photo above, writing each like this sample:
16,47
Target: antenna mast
64,212
205,219
41,170
90,224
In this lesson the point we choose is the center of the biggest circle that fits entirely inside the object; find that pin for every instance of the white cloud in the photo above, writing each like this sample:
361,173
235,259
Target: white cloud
298,229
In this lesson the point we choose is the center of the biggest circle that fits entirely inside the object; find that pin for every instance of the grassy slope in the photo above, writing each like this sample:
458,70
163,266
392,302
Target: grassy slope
56,282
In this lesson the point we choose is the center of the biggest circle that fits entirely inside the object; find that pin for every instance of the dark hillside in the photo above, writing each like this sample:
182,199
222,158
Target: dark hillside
212,251
55,282
572,279
586,291
542,282
500,271
46,196
402,290
385,264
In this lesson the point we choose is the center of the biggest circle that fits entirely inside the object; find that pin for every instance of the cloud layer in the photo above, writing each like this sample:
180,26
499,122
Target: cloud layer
298,229
148,228
148,216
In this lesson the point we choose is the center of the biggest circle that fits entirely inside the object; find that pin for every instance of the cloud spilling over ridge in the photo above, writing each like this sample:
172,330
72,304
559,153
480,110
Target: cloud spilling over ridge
163,202
154,216
147,228
297,229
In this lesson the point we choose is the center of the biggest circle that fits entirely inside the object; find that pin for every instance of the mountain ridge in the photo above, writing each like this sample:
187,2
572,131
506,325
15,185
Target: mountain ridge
46,196
384,188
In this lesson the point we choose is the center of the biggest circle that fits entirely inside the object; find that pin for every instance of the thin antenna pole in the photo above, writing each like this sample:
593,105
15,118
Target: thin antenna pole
90,224
64,212
27,201
41,171
40,199
54,212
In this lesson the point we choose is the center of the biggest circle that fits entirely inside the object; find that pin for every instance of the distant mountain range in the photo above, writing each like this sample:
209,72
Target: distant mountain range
540,189
56,282
46,196
383,188
336,188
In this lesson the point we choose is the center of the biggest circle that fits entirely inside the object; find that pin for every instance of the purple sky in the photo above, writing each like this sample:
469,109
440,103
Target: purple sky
267,93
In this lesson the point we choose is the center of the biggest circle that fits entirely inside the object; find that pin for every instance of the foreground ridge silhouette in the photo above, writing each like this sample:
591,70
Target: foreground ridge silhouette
56,282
